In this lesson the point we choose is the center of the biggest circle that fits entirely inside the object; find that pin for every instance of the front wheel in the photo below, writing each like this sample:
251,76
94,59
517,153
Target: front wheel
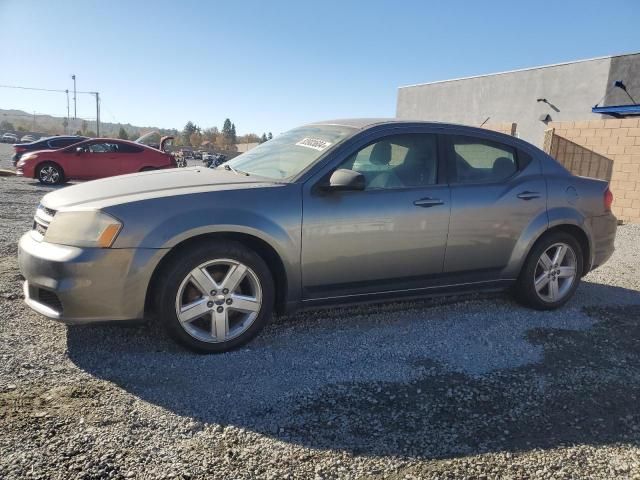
216,297
551,273
50,174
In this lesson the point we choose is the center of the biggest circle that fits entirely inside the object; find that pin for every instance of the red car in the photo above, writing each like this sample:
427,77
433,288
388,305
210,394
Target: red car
94,158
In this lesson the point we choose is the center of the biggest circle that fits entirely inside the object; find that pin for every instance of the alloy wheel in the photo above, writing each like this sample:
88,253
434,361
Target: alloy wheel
49,174
555,272
218,300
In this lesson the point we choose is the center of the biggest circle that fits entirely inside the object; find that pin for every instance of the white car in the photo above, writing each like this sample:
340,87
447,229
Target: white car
9,138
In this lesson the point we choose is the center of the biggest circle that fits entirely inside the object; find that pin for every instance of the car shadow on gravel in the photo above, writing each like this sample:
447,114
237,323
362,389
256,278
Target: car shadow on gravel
556,378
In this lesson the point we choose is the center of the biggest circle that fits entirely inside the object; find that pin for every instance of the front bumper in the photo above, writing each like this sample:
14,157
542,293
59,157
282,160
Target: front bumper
83,285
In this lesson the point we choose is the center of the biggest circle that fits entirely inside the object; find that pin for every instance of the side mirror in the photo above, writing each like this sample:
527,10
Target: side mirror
344,180
79,150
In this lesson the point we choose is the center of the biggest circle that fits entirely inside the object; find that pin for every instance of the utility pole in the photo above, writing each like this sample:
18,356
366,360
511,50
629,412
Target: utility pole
97,113
67,92
75,111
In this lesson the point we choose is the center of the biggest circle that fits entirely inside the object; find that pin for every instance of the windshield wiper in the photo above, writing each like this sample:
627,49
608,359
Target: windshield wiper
237,172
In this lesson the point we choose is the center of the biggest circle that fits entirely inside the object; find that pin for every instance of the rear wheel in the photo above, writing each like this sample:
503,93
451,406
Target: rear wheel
551,273
50,174
216,297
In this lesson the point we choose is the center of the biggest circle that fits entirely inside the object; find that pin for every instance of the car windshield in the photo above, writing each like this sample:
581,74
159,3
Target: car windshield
290,153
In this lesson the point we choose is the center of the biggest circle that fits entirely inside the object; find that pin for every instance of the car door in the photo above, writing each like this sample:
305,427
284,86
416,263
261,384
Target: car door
131,158
392,235
496,192
98,159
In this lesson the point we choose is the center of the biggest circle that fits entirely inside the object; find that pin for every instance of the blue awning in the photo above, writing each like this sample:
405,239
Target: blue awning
618,110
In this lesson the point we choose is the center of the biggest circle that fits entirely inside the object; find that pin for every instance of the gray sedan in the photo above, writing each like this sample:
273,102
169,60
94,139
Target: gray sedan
329,213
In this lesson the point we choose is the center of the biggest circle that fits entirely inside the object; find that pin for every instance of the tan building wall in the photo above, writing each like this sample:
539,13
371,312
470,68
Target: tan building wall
245,147
506,128
606,149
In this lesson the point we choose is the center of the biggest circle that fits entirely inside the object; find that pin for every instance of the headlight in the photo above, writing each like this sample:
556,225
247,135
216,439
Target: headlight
23,159
88,228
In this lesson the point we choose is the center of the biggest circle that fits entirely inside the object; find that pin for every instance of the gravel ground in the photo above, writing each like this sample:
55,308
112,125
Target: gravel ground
474,387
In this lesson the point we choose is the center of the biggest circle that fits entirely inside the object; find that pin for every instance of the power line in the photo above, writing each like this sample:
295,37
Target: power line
41,114
66,92
42,89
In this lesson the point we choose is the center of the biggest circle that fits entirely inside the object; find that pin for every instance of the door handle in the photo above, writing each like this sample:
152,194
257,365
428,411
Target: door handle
428,202
528,195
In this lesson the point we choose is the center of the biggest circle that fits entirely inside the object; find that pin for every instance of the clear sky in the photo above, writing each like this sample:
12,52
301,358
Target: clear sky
270,66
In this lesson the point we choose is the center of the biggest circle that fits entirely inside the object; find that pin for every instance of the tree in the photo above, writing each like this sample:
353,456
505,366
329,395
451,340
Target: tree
263,138
226,128
85,127
249,138
270,136
122,134
234,138
79,132
5,125
211,134
195,139
189,129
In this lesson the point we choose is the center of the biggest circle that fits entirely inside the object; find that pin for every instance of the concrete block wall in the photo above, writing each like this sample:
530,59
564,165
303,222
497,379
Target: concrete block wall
607,149
507,128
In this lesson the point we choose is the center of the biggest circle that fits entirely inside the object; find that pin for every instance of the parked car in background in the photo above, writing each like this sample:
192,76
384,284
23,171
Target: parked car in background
48,143
90,159
186,153
336,212
216,160
28,138
9,138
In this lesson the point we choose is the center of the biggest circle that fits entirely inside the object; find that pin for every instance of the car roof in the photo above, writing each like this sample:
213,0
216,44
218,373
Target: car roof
61,137
360,124
364,123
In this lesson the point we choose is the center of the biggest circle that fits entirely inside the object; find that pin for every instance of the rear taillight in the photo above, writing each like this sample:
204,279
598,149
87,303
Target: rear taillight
608,199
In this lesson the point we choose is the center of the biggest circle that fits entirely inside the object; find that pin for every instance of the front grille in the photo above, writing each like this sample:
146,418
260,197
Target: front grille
42,219
41,229
48,211
45,297
49,299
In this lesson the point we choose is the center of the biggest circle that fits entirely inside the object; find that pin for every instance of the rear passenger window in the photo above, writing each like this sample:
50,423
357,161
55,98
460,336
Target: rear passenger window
126,148
482,161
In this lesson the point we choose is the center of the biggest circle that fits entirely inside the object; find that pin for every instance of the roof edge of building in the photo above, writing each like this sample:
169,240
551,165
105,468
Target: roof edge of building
560,64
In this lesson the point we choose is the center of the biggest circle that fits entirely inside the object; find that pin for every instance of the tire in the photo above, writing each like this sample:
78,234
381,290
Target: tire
49,173
218,320
545,283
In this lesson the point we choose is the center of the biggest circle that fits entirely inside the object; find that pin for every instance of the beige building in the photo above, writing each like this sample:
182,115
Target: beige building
585,113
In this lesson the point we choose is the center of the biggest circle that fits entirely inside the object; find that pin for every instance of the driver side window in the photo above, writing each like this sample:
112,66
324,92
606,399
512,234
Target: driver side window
103,148
397,161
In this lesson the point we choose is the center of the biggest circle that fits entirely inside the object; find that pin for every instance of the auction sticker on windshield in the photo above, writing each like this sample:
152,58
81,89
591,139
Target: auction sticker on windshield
315,143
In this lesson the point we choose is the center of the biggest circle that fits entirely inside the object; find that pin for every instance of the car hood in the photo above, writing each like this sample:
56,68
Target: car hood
146,185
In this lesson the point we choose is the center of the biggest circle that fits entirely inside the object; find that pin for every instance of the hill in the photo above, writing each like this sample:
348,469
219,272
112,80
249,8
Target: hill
20,121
